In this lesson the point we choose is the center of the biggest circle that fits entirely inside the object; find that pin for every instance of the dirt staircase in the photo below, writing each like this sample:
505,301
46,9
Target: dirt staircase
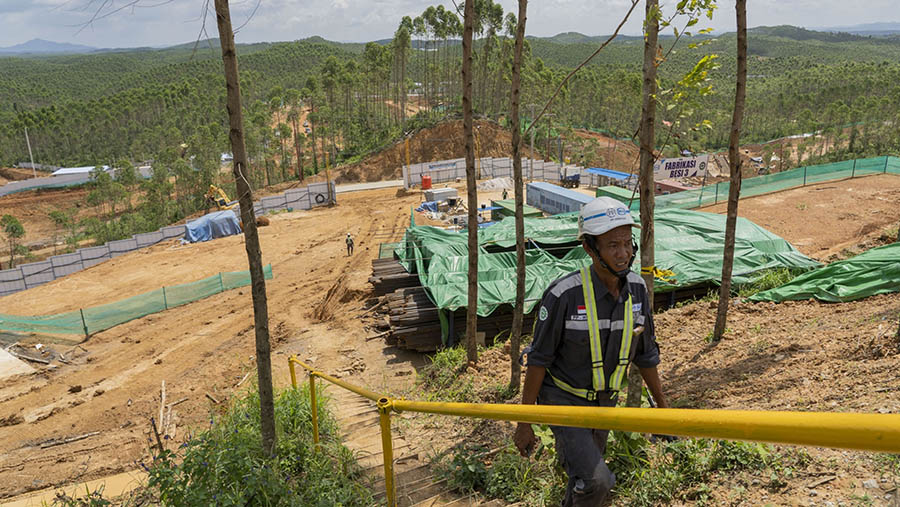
413,480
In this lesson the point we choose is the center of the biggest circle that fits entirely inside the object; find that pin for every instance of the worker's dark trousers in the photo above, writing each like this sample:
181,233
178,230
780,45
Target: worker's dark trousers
349,250
581,453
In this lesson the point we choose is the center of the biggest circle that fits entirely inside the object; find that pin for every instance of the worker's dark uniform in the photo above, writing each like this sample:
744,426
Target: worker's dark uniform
562,345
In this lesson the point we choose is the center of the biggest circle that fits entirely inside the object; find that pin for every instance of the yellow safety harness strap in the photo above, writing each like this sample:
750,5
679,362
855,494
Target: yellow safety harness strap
663,275
598,377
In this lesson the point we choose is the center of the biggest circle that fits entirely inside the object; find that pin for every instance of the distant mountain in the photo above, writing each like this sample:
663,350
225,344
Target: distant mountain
802,34
580,38
46,47
868,29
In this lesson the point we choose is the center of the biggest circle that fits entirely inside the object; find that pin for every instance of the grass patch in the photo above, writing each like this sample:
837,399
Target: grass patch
503,473
768,279
444,379
683,471
224,465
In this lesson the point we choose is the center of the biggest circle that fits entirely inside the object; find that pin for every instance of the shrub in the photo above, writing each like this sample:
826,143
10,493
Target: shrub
225,465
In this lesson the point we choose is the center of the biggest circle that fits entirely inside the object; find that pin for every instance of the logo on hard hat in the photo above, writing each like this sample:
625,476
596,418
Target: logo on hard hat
611,213
622,211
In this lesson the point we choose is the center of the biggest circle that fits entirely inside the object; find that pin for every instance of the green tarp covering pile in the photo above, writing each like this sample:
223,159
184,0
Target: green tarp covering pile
874,272
98,318
687,242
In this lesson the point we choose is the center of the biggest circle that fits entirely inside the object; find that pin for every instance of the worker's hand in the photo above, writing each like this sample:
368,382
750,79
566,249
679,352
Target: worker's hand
524,439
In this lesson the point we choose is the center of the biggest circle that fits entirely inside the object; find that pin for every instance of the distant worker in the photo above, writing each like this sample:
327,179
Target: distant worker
591,324
349,245
505,194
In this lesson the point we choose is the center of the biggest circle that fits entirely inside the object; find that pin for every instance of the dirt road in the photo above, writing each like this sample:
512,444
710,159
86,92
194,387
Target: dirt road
113,384
823,220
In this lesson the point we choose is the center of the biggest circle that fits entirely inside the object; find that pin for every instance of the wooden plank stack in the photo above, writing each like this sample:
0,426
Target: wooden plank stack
413,320
389,275
415,324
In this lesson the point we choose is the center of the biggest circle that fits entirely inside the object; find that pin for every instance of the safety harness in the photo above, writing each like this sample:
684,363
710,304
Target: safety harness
598,376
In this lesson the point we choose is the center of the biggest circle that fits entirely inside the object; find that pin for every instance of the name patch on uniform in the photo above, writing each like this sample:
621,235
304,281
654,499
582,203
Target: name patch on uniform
543,313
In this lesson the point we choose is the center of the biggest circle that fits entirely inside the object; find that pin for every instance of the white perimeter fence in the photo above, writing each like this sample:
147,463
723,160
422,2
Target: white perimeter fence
26,276
489,168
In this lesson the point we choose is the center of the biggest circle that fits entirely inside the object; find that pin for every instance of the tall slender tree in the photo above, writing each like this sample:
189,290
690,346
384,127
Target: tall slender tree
734,162
515,333
251,235
648,135
472,189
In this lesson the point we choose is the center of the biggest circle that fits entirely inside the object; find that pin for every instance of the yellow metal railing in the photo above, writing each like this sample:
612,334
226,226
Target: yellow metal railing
867,432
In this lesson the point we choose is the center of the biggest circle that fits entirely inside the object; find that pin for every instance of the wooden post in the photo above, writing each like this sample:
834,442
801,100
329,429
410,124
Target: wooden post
83,323
165,304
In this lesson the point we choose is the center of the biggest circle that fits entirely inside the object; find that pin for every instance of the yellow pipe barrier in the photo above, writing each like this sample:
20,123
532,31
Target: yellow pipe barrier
387,447
866,432
314,409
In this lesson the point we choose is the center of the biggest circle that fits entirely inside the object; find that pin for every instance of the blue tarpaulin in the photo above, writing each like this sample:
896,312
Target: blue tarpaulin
609,173
214,225
428,206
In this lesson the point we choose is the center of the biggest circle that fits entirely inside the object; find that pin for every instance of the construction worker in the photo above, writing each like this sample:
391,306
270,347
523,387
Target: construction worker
505,194
591,324
349,245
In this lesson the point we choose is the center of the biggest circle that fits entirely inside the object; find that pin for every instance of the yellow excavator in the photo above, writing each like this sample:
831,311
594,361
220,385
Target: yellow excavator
217,196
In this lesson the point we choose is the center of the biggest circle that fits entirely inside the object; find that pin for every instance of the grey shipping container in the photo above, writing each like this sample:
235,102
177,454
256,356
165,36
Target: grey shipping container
440,194
554,199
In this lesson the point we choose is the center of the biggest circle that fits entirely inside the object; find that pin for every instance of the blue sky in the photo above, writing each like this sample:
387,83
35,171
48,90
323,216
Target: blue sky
166,22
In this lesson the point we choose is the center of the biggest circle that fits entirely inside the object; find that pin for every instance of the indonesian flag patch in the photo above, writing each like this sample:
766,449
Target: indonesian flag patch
582,310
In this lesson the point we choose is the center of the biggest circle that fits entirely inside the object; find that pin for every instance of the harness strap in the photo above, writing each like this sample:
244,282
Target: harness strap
598,376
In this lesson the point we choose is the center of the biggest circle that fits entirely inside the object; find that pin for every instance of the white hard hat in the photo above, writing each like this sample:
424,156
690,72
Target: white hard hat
603,214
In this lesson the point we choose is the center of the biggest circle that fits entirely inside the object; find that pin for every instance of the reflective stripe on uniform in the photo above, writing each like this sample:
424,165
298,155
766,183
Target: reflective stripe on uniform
598,377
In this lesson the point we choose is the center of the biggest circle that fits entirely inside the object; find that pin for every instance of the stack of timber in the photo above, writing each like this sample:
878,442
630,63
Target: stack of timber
415,324
389,275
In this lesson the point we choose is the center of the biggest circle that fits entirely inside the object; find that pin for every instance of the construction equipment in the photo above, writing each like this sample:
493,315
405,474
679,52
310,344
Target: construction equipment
217,196
571,181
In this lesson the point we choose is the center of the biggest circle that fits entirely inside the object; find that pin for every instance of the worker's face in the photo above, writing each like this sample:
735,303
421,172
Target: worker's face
615,247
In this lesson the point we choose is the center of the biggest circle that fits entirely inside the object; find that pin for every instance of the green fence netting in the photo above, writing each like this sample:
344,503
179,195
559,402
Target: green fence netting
876,271
718,192
688,243
98,318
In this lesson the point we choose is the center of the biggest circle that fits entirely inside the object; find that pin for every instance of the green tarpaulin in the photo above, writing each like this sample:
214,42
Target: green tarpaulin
687,242
874,272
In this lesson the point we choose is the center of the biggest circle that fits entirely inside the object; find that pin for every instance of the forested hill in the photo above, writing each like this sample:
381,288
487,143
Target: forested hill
91,108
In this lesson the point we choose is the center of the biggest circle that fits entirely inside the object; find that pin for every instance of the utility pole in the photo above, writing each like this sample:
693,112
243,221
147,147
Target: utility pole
33,170
531,158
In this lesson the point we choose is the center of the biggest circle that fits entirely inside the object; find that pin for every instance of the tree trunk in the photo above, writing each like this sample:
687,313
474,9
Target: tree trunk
472,190
297,148
519,307
251,236
734,161
648,124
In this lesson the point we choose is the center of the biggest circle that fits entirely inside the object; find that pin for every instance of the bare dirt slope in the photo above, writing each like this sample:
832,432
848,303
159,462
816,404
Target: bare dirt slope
823,220
113,383
442,142
33,208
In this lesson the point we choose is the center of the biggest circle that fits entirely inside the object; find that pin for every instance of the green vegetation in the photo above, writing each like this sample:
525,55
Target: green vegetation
766,280
14,233
136,104
503,473
647,473
224,465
